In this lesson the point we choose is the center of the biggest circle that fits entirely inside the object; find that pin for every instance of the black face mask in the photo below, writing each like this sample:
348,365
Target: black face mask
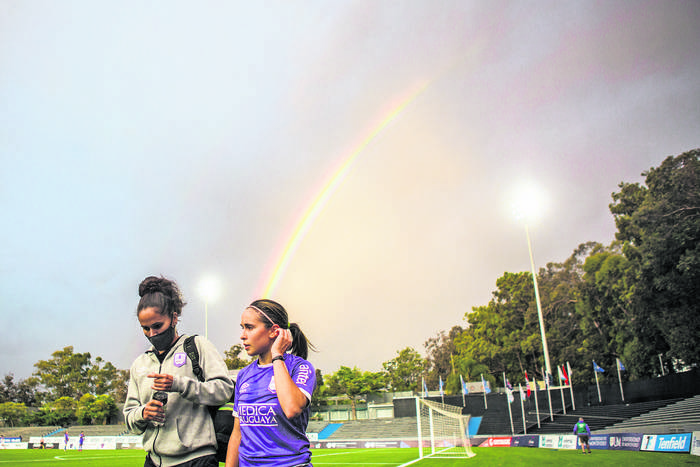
163,340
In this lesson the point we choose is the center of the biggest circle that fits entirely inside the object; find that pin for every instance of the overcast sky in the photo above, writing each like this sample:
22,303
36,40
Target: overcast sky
188,140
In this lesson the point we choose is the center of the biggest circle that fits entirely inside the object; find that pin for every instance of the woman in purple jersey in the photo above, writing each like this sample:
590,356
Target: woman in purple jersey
272,395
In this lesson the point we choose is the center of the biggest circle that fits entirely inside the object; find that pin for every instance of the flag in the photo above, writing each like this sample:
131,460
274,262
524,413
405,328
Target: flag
509,394
425,389
465,391
442,393
566,377
485,384
620,365
560,374
522,393
597,368
548,380
527,385
508,385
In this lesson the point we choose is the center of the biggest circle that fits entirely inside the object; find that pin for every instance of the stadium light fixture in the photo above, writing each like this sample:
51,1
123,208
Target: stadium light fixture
209,288
529,204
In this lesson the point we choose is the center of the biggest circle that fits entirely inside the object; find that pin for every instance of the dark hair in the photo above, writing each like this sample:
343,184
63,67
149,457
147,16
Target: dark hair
276,312
160,293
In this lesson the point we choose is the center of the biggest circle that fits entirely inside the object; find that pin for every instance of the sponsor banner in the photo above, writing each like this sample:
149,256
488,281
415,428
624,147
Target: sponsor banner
527,441
335,445
381,444
14,445
667,443
625,441
17,439
695,447
496,442
558,441
595,441
37,445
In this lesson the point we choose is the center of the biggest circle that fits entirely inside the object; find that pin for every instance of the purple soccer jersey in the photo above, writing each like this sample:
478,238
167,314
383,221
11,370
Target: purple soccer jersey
268,437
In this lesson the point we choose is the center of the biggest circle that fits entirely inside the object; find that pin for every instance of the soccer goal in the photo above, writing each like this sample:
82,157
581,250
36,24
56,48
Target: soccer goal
443,432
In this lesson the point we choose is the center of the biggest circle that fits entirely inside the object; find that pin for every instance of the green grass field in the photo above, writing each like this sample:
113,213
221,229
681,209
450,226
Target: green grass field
374,457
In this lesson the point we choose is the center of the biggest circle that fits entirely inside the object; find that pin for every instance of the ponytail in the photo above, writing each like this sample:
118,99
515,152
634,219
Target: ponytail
274,313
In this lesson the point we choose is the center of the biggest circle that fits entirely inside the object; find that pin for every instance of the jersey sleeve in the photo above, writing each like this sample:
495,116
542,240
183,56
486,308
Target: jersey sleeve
304,376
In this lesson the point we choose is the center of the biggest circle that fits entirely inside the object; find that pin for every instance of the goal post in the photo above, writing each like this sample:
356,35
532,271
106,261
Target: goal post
443,431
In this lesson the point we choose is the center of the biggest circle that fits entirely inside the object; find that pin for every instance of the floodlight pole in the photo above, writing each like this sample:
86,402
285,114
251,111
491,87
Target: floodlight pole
539,306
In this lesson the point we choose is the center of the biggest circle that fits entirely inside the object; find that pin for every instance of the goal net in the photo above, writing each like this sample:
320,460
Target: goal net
443,431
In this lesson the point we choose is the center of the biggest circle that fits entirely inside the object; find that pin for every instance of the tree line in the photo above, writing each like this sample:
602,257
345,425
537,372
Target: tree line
635,299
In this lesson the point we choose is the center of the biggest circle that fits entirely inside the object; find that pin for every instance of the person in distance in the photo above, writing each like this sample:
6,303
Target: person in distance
272,395
165,401
583,432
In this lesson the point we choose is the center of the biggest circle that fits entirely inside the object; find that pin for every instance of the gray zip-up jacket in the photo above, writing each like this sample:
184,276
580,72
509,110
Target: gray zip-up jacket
188,431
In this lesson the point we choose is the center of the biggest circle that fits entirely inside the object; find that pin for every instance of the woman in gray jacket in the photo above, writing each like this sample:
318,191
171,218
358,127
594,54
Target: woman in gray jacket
166,402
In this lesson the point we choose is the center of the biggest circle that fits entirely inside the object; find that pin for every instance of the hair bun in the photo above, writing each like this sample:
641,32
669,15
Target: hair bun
149,285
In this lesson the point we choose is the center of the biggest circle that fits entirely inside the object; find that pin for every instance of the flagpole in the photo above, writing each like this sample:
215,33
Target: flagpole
483,384
595,373
510,412
464,402
571,383
522,408
442,391
537,404
549,396
561,390
619,378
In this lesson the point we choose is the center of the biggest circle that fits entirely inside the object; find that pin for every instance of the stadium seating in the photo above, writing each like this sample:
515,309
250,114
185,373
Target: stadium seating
27,432
679,417
597,417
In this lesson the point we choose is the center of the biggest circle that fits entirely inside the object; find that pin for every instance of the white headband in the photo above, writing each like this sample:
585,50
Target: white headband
263,313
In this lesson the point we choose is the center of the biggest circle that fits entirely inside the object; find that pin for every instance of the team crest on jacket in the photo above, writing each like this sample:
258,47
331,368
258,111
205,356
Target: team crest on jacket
271,386
179,359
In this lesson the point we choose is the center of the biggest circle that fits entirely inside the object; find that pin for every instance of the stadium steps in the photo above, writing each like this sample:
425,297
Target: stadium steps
96,430
680,416
316,426
27,432
393,428
597,417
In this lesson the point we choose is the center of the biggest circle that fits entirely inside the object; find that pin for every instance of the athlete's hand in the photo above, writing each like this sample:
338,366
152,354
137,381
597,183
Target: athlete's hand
154,411
282,342
161,382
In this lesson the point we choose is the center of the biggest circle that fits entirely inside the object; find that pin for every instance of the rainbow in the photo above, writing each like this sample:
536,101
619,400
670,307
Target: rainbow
315,207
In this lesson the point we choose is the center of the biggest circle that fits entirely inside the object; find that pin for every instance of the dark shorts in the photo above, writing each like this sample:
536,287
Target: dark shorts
204,461
583,439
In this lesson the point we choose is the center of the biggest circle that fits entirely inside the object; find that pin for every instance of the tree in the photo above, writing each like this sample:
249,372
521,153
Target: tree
12,412
352,382
440,351
59,412
232,358
82,413
103,377
23,391
67,374
121,385
102,409
660,227
403,373
605,312
504,335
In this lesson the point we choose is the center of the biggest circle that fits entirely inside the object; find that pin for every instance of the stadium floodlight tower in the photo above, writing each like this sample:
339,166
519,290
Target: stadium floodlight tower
209,288
529,204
